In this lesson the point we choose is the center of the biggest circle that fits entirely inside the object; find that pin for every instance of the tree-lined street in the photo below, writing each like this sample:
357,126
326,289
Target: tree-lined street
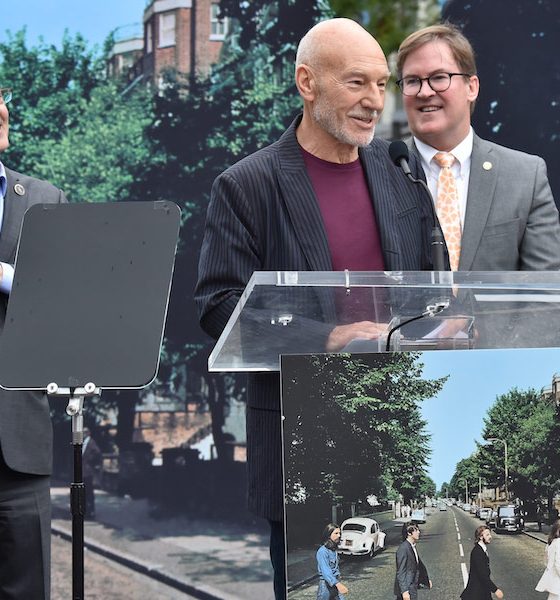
445,545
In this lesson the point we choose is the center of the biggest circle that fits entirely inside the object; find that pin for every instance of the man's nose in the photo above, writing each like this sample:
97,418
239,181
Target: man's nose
374,99
425,90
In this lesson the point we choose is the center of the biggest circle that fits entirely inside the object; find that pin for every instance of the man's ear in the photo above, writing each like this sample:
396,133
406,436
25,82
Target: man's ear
306,82
474,86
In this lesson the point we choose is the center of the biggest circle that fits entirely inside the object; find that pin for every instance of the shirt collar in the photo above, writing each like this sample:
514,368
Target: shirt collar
3,181
483,546
462,152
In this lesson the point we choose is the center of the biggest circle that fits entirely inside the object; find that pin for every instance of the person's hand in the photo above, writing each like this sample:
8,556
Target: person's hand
430,584
406,596
499,593
341,588
342,335
1,271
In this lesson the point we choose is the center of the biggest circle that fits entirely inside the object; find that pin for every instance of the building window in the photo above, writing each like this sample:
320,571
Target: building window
167,29
149,37
218,28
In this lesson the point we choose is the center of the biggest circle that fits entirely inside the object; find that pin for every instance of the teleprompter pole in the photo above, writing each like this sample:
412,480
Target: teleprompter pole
74,409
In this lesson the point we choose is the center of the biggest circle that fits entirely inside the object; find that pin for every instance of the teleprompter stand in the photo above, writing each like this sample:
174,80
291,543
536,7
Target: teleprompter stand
87,312
74,409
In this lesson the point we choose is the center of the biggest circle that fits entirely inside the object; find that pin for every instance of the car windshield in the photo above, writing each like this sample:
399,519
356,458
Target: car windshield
354,527
507,511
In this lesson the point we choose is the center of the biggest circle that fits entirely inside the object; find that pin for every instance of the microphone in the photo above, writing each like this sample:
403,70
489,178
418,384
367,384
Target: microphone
398,151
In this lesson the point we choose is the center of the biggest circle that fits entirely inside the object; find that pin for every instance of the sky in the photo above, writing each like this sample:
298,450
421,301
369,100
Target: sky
455,416
49,18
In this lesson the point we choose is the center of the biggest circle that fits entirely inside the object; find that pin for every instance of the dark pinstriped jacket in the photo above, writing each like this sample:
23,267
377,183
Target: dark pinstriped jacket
25,424
263,216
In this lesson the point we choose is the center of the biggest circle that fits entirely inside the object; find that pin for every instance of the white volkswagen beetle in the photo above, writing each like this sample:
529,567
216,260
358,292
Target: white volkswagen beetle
360,536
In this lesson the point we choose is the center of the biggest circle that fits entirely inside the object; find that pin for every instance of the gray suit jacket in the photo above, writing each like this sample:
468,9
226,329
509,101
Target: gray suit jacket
408,572
511,221
25,425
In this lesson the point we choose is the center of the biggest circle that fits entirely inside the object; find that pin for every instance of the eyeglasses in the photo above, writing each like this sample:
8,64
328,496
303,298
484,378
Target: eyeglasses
5,95
439,82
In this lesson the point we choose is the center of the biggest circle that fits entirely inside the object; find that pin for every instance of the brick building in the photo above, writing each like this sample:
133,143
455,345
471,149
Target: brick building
185,35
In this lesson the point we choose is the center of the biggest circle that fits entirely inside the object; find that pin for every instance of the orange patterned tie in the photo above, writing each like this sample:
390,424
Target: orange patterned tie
447,207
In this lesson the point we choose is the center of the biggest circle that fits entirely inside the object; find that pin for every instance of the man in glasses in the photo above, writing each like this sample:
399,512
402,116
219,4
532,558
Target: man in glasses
25,426
495,204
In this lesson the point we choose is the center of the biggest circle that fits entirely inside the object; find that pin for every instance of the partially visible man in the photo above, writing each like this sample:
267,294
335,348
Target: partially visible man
25,426
92,460
480,586
324,197
495,204
411,571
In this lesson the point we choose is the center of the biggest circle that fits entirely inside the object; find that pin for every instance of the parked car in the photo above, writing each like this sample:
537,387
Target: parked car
360,536
418,515
466,507
484,513
509,518
474,508
442,506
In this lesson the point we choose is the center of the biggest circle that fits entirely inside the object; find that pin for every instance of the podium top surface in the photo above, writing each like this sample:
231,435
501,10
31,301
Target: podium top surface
286,312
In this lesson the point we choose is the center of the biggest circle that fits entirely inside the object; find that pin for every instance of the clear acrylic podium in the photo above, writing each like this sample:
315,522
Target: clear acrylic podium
283,312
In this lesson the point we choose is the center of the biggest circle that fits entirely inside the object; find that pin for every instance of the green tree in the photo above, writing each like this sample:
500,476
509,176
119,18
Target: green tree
504,420
536,453
99,158
389,21
49,87
465,479
427,487
368,435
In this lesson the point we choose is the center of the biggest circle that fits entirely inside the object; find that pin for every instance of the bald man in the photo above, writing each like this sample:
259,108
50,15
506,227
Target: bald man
295,205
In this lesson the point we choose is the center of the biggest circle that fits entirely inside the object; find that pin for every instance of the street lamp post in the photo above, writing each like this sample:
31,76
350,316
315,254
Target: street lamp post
466,489
492,440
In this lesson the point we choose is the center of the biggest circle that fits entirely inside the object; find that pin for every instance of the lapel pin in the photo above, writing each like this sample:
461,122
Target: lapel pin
19,189
487,165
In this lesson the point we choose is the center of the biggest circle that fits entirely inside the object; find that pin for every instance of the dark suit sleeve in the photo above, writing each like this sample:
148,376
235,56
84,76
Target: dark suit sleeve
481,568
235,243
423,578
405,574
229,254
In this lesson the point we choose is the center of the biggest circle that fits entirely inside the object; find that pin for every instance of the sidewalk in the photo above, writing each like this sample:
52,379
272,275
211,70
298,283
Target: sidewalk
208,559
532,530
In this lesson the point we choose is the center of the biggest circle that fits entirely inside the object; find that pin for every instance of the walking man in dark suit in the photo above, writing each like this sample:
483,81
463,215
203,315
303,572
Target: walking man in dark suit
411,572
324,197
480,586
25,426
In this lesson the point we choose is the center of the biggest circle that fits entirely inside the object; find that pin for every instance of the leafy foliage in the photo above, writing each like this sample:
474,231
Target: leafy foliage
50,86
530,425
356,427
389,21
